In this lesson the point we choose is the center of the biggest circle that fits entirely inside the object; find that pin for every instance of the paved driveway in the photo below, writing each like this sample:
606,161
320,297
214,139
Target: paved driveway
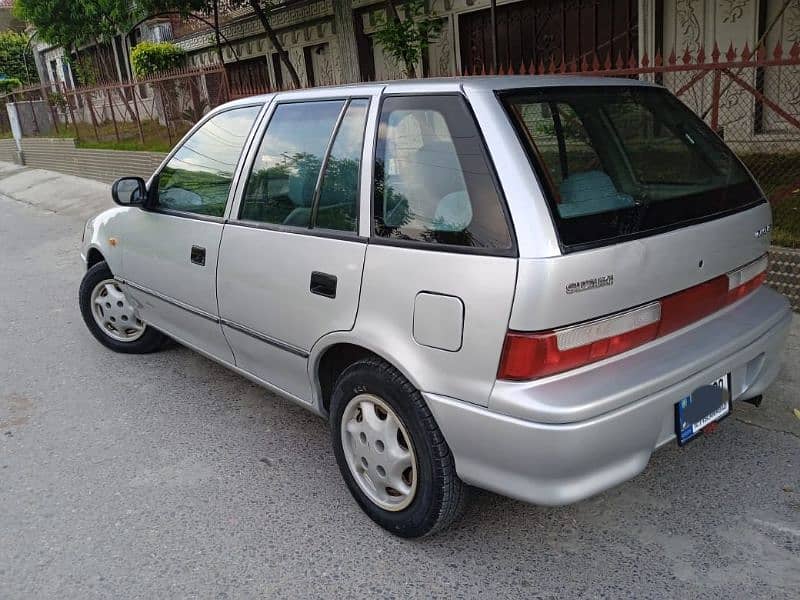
167,476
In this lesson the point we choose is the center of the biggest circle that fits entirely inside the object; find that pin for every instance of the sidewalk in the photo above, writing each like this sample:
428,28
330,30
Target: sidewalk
54,192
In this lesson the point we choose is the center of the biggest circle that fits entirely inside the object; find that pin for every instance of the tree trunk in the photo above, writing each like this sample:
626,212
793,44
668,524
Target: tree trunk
216,33
104,71
391,13
284,56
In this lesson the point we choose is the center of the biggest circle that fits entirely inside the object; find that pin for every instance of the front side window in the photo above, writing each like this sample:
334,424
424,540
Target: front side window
621,162
198,177
433,182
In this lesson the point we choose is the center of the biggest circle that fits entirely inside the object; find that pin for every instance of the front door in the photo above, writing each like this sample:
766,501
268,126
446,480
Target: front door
291,257
169,252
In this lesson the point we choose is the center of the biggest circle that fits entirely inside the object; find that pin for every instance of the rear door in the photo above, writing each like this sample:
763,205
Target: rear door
291,257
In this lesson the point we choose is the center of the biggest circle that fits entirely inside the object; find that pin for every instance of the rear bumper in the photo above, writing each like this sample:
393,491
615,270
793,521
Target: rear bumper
555,463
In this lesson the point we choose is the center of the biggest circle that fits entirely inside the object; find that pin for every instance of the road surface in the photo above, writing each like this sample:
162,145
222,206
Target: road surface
166,476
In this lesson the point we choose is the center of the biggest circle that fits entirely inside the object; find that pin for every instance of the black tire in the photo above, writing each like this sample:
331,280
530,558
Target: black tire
440,494
150,341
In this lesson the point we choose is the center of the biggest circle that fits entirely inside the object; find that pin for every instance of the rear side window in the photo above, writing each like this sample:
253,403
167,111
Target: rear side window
622,162
433,182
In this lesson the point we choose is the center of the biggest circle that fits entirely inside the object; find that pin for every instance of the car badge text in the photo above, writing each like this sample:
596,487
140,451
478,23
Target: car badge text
590,284
763,231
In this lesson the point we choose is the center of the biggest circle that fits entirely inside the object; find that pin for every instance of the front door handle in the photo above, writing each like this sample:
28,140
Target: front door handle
323,284
198,255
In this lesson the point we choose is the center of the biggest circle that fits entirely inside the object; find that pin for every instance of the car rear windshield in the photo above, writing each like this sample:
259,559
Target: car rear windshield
621,162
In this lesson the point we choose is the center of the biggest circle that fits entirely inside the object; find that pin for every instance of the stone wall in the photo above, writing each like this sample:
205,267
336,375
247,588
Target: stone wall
103,165
784,273
8,150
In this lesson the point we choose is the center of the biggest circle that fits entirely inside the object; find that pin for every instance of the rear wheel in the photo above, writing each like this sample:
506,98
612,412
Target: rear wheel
111,317
391,452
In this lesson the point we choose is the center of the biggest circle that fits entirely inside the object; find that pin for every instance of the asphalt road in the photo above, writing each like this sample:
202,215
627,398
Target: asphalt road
167,476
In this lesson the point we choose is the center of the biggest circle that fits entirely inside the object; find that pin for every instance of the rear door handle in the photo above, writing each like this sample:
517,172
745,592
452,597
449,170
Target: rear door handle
323,284
198,255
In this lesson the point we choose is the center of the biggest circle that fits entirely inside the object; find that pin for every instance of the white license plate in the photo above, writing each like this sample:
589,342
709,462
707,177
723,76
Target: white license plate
707,404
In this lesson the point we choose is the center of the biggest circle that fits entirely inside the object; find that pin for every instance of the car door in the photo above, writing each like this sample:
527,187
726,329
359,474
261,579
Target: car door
169,250
292,255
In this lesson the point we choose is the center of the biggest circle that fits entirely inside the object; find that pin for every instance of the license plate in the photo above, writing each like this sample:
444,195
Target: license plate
707,404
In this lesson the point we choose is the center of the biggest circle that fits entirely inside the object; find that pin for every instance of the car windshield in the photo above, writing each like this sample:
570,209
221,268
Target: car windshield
626,161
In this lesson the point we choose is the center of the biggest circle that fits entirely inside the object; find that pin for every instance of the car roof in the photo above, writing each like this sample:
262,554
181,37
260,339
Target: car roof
452,84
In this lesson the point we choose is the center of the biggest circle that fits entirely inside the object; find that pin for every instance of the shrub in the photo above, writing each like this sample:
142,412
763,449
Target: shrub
150,58
16,57
9,85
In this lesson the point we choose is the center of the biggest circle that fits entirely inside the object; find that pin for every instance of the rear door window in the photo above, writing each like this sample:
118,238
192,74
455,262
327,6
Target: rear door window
306,171
433,180
338,196
621,162
282,184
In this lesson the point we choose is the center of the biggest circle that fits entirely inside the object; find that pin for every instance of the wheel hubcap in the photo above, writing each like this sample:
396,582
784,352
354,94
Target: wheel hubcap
379,452
114,314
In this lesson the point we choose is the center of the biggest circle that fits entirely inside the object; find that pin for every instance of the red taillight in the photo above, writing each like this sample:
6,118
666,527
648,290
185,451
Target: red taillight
688,306
528,356
532,355
745,288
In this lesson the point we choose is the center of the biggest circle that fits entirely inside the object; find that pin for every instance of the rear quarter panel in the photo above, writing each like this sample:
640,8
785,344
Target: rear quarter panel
393,278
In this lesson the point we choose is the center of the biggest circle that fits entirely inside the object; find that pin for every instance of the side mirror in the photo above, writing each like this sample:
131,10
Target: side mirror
129,191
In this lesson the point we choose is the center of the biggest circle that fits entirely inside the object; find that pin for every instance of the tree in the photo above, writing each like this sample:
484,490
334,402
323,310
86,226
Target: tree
16,57
405,40
72,24
78,23
261,8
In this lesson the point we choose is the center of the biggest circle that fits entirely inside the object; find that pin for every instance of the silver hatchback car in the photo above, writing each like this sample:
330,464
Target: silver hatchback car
522,284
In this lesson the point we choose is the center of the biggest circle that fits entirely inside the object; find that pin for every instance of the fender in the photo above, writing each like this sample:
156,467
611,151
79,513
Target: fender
105,233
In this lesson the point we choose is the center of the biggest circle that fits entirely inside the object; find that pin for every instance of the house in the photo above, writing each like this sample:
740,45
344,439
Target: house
331,41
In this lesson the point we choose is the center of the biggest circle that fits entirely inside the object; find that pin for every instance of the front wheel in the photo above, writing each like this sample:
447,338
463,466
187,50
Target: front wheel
110,316
391,452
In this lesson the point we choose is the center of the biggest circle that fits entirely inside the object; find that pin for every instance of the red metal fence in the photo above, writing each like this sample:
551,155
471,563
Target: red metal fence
155,111
751,98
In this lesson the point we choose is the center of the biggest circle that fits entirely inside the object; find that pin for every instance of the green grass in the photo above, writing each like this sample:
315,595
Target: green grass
786,219
156,136
779,177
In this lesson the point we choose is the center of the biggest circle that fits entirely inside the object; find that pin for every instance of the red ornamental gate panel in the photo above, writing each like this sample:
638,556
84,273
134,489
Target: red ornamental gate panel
534,31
